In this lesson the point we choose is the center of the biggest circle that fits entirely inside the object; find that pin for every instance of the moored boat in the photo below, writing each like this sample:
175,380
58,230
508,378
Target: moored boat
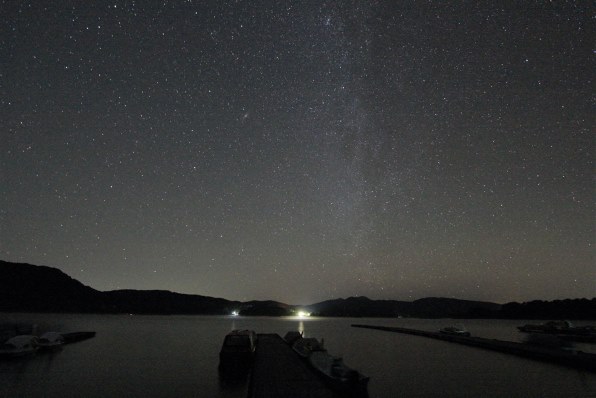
238,345
306,346
457,330
292,336
50,341
8,330
19,346
563,329
552,327
340,376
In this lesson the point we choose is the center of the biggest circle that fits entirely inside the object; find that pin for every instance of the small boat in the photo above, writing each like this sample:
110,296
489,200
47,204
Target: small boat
8,330
562,329
557,327
292,336
340,376
19,346
238,345
457,330
50,341
306,346
73,337
552,327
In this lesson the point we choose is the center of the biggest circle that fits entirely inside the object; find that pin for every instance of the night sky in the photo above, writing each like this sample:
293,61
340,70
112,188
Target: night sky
302,150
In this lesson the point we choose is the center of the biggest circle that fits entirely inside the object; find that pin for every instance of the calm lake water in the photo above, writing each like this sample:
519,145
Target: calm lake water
177,356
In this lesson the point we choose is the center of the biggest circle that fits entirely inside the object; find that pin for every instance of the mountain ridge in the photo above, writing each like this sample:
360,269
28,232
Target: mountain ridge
38,288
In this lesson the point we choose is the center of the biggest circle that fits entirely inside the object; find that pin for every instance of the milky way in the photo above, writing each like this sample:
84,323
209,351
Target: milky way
301,151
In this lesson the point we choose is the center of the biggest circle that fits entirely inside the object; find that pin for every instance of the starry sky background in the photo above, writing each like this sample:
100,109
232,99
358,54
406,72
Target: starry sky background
302,150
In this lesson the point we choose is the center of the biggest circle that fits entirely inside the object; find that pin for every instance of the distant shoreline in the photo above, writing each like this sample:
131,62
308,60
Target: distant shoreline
40,289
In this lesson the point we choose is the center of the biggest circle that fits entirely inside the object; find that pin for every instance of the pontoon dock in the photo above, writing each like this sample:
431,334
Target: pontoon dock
278,372
576,359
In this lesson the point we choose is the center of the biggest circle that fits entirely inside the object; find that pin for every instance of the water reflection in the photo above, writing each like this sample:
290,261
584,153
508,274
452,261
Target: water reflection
154,356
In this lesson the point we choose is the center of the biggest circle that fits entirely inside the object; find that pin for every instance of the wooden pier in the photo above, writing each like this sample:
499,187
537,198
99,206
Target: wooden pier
278,372
575,359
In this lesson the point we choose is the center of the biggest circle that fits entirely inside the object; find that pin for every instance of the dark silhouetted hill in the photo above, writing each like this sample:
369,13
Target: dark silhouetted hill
359,307
440,307
423,308
164,302
266,308
558,309
33,288
26,287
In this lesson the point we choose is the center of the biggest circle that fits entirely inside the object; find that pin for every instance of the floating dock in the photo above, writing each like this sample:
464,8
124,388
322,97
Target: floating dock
278,372
575,359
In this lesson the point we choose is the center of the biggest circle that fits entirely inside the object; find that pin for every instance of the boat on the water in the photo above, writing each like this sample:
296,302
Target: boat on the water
552,327
306,346
238,345
50,341
19,346
292,336
332,369
338,374
563,329
457,330
8,330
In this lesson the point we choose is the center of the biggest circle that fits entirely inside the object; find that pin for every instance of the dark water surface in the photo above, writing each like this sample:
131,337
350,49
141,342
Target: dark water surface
177,356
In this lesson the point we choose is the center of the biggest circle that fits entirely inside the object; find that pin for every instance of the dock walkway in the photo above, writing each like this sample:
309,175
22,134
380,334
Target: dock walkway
278,372
576,359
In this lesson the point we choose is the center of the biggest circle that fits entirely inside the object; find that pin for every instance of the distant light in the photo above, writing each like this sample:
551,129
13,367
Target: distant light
303,314
234,313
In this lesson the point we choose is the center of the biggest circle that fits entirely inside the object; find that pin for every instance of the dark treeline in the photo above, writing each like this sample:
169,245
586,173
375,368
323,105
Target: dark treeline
558,309
31,288
578,309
